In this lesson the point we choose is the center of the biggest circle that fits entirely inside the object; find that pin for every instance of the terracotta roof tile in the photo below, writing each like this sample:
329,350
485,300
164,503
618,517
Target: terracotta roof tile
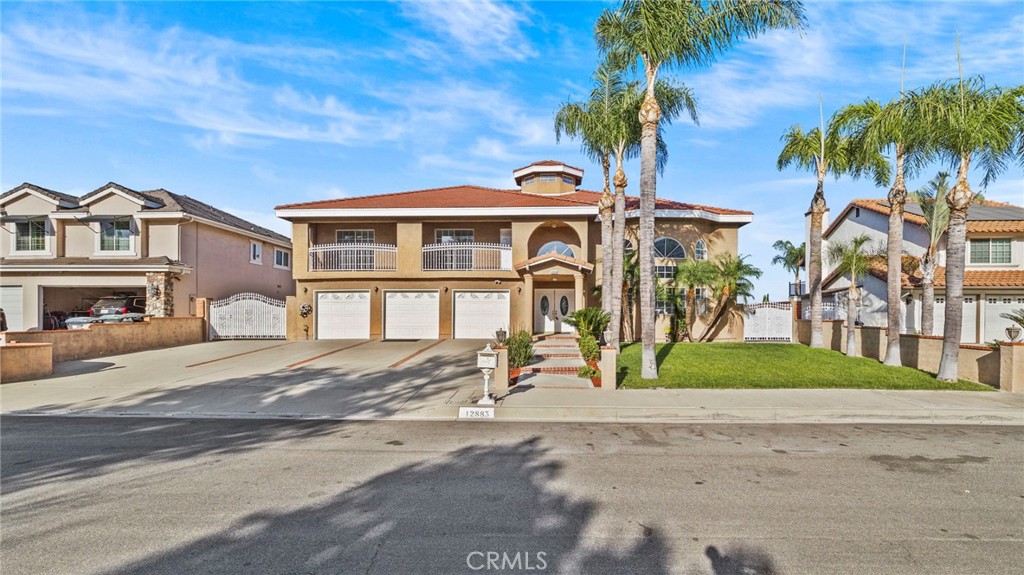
1012,223
555,256
548,163
972,278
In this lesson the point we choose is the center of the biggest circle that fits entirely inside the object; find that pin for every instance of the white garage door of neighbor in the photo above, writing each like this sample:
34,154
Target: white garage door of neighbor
343,315
411,314
11,302
995,326
478,314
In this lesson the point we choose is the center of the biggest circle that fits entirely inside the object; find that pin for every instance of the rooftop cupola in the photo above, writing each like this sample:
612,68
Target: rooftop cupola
548,177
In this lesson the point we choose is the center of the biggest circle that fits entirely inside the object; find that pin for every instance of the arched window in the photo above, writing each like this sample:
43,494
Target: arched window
700,250
669,248
560,248
627,247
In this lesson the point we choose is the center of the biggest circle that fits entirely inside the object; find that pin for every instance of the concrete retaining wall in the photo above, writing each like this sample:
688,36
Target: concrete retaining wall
1002,368
21,361
103,339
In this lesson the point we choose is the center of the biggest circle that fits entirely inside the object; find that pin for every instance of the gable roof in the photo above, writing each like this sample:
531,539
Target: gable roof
982,216
51,194
481,197
554,257
141,198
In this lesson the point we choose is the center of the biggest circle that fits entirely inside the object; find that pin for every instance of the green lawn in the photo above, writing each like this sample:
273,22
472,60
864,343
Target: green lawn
770,366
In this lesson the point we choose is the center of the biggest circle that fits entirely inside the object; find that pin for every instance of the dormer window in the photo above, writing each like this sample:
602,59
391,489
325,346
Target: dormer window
568,180
530,180
548,178
30,236
116,236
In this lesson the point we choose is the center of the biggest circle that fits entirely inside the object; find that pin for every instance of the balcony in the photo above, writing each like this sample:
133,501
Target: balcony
353,257
797,289
467,256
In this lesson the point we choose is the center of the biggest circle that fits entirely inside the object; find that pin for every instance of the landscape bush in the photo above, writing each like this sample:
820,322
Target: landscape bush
592,320
589,348
520,348
588,372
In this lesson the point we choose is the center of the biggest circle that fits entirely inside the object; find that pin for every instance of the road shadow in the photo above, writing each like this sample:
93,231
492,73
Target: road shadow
465,511
737,559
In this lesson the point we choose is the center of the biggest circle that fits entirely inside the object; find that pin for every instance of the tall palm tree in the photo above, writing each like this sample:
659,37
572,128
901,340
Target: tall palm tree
691,274
932,200
591,122
732,284
890,128
666,34
825,151
790,257
852,258
966,120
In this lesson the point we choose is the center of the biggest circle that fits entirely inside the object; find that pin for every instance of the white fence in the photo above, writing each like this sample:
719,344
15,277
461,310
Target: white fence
353,257
467,256
768,322
829,310
247,316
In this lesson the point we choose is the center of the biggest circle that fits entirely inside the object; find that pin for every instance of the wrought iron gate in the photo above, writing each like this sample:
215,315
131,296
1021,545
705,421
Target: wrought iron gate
247,316
768,322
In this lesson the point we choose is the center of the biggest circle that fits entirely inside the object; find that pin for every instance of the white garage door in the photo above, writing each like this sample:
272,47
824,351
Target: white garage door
478,314
995,326
343,315
969,327
11,302
411,314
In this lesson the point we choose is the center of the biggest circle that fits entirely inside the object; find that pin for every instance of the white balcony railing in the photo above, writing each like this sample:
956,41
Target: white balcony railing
353,257
467,256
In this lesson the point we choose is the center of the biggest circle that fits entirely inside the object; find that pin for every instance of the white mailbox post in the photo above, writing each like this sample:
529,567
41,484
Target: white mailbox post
487,361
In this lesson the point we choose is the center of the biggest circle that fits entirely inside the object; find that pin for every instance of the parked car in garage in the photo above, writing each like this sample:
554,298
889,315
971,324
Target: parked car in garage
85,322
118,305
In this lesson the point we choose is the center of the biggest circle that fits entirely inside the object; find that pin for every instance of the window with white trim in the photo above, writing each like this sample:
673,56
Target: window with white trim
354,236
282,259
665,306
556,247
256,253
700,299
453,236
568,180
700,250
30,236
547,178
665,272
116,235
669,248
990,251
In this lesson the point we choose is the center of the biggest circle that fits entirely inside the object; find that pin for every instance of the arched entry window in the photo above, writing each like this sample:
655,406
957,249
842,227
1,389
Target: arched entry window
700,250
627,247
560,248
669,248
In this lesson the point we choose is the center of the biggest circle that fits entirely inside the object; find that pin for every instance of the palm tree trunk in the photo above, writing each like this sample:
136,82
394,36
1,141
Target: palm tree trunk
650,114
928,302
607,251
959,200
724,302
818,208
618,251
894,262
691,311
851,319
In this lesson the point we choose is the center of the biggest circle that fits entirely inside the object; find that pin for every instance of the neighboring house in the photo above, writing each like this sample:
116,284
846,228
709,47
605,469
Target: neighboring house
993,278
464,261
63,252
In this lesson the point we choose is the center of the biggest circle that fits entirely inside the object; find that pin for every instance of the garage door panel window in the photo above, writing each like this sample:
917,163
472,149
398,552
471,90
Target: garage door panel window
30,236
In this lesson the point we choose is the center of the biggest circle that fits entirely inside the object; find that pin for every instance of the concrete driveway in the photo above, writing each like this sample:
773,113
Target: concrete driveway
368,379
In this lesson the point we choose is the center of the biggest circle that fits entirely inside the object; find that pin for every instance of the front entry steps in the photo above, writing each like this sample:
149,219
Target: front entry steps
556,362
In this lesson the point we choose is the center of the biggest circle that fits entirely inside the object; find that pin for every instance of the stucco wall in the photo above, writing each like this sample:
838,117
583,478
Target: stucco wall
221,268
19,362
116,338
28,205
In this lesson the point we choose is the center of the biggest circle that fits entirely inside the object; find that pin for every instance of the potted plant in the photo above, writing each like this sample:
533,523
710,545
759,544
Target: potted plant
592,373
520,353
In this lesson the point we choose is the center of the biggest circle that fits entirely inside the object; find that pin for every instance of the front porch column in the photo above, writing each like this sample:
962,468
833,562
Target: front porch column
160,294
527,302
581,300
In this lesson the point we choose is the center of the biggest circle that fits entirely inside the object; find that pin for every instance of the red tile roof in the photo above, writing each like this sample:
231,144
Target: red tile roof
881,206
557,257
481,197
548,163
972,278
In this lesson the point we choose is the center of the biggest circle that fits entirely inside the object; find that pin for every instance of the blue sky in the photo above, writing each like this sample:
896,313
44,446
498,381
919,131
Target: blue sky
248,106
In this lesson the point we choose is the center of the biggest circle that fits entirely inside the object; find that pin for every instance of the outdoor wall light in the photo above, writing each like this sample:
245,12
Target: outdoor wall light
376,288
1013,332
305,289
519,289
445,289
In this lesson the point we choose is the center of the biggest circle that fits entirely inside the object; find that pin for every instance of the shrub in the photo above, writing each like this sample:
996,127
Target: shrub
520,348
588,372
592,320
589,348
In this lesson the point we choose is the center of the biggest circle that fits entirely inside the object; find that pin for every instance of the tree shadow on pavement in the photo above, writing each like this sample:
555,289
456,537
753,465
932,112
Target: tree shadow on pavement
738,559
464,512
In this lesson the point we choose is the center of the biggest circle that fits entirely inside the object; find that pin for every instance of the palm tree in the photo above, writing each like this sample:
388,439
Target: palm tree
662,34
790,257
591,122
732,284
967,120
691,274
852,258
825,151
933,205
890,128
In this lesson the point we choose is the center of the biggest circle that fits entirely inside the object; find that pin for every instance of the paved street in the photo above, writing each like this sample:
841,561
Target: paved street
125,495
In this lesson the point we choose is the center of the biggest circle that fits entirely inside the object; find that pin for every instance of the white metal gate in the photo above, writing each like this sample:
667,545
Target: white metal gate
247,316
768,322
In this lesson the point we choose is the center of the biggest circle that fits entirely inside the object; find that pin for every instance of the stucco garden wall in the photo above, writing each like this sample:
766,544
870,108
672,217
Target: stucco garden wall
21,361
116,338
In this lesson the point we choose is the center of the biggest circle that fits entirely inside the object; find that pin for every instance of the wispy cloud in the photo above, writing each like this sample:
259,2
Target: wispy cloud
484,30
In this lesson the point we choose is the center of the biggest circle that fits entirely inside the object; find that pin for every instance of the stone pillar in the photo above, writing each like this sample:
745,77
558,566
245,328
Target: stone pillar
1011,367
160,294
203,312
607,365
581,297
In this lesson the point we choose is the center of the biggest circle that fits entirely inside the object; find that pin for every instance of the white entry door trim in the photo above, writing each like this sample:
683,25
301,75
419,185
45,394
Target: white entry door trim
343,314
550,306
477,314
411,314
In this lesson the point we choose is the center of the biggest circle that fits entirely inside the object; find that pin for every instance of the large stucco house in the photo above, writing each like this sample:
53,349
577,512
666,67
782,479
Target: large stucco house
993,277
62,252
464,261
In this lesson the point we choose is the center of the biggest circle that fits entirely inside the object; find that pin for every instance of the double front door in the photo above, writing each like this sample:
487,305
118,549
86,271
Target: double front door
551,306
